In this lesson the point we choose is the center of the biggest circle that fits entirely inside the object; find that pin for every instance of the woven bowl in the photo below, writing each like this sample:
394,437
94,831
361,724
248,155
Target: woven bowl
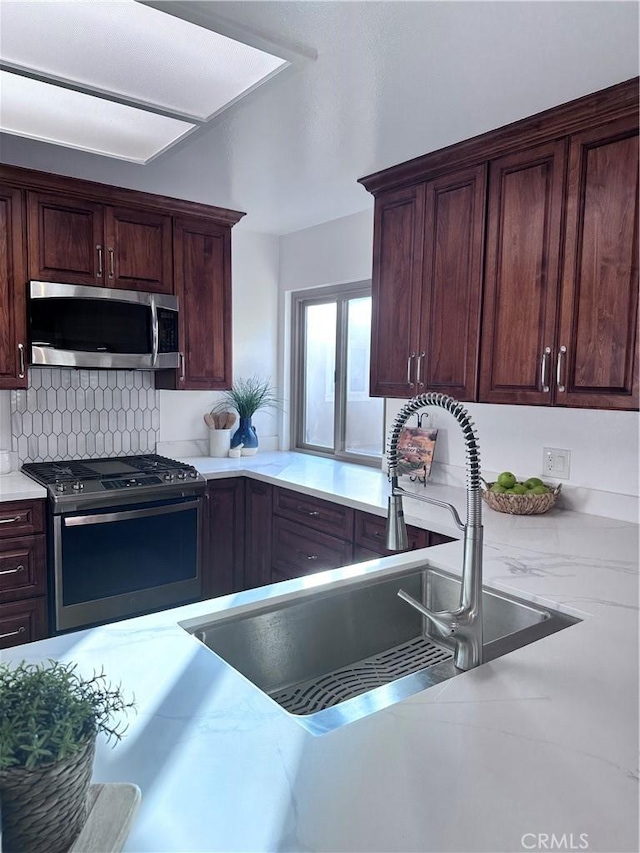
520,504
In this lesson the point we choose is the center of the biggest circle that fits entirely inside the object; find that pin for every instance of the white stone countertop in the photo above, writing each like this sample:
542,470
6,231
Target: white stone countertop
18,487
541,742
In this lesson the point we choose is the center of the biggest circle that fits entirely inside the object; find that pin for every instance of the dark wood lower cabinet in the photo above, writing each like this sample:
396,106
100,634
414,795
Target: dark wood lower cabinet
223,563
260,534
299,550
258,516
23,622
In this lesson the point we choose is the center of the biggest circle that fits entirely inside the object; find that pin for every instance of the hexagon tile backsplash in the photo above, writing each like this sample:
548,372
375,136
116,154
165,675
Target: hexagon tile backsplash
84,414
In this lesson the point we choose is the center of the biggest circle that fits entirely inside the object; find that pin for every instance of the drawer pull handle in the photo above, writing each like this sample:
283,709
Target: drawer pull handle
20,630
10,520
308,556
312,513
12,571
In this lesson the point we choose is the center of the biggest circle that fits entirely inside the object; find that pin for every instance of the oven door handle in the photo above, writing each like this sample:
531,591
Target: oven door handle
128,515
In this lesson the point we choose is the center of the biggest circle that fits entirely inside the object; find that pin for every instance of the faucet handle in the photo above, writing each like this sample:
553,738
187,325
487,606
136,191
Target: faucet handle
446,623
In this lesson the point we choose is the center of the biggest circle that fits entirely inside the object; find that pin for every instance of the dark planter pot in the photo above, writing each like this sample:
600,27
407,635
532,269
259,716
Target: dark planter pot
247,436
43,810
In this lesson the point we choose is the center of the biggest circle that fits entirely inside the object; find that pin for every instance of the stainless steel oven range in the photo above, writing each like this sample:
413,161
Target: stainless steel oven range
124,536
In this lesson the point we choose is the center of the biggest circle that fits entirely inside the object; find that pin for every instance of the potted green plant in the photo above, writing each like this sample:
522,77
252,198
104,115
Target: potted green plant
247,396
50,717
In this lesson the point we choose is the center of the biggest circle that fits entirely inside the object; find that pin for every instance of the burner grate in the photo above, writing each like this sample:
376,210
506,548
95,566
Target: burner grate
330,689
58,472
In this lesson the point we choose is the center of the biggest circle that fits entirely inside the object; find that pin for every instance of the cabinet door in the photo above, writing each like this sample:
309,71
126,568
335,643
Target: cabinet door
370,534
23,568
397,269
258,532
522,275
13,284
202,276
224,561
452,284
66,239
22,622
299,550
598,325
138,250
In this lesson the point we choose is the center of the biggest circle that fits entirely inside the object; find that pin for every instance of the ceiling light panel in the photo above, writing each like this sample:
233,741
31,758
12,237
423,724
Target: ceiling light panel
132,51
51,113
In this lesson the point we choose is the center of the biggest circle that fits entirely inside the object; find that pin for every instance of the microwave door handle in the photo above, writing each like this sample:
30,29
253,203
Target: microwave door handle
154,331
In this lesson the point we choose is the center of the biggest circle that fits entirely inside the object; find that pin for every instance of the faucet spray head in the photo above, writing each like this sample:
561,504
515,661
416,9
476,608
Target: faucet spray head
396,528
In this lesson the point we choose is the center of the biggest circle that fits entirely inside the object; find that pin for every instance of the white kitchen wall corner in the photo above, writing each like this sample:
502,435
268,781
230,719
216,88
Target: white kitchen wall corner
80,414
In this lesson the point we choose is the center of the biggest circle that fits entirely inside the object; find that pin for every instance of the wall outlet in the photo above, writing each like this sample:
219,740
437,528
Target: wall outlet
556,462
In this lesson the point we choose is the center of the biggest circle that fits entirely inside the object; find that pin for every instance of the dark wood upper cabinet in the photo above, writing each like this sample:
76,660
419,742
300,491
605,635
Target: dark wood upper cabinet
66,239
13,284
82,242
549,315
452,284
396,288
138,250
202,277
522,275
598,326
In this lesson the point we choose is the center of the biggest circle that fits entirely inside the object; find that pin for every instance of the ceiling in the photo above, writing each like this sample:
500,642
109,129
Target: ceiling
392,80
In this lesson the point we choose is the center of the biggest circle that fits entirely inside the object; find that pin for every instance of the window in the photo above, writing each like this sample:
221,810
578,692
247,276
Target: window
333,414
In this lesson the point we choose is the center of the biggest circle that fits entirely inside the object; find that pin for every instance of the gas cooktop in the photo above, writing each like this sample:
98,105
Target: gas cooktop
79,483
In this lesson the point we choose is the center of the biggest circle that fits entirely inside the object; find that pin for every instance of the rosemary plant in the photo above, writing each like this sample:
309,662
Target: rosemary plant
48,712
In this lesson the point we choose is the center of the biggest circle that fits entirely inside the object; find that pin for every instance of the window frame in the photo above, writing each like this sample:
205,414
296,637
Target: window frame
300,299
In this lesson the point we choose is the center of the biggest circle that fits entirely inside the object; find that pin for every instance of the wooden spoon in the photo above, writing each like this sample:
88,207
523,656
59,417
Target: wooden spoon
230,420
210,420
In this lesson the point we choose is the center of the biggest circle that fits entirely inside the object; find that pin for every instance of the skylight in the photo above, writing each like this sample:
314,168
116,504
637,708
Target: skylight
128,51
49,113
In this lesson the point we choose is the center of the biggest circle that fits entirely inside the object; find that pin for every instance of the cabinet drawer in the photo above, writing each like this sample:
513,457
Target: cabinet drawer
371,533
298,550
22,622
325,516
22,568
22,518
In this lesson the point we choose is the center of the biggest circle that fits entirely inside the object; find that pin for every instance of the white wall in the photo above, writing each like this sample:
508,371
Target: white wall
603,445
255,341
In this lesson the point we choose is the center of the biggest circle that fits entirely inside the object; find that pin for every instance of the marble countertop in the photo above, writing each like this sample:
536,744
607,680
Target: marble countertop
541,742
18,487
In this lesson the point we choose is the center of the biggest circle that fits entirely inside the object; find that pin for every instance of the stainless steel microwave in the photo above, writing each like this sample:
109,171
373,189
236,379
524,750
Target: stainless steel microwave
74,325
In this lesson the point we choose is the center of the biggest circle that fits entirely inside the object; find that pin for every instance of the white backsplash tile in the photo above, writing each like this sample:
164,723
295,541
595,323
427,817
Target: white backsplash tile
75,414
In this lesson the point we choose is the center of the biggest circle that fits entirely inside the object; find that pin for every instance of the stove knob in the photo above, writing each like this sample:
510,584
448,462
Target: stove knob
193,474
78,487
168,476
59,487
181,475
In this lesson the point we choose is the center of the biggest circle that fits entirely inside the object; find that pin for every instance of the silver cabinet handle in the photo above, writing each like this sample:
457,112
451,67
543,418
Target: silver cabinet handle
308,556
20,630
544,368
182,367
419,381
100,270
111,267
12,571
559,365
10,520
409,360
21,374
312,513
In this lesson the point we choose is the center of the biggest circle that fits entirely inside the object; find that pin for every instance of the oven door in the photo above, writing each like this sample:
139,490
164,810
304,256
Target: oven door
116,562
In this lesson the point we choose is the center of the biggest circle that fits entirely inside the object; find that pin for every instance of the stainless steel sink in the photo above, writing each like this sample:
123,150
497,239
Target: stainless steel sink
334,656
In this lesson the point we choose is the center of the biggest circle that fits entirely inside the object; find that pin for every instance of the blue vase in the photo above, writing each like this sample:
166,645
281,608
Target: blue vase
247,436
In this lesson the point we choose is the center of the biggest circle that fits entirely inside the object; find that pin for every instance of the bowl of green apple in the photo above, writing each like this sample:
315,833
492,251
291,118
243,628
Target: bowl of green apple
519,497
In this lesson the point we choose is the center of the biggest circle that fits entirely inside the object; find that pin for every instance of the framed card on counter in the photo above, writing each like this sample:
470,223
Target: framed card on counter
416,447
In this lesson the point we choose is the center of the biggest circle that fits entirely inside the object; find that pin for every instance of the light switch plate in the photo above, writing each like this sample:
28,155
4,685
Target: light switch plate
556,462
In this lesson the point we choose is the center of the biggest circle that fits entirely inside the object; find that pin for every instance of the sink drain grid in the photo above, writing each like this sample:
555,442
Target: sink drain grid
330,689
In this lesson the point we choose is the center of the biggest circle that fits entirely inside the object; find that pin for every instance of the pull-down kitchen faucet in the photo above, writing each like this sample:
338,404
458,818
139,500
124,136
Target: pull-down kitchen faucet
464,623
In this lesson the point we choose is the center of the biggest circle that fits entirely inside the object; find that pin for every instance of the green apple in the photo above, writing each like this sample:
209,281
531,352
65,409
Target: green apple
507,479
520,489
532,482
